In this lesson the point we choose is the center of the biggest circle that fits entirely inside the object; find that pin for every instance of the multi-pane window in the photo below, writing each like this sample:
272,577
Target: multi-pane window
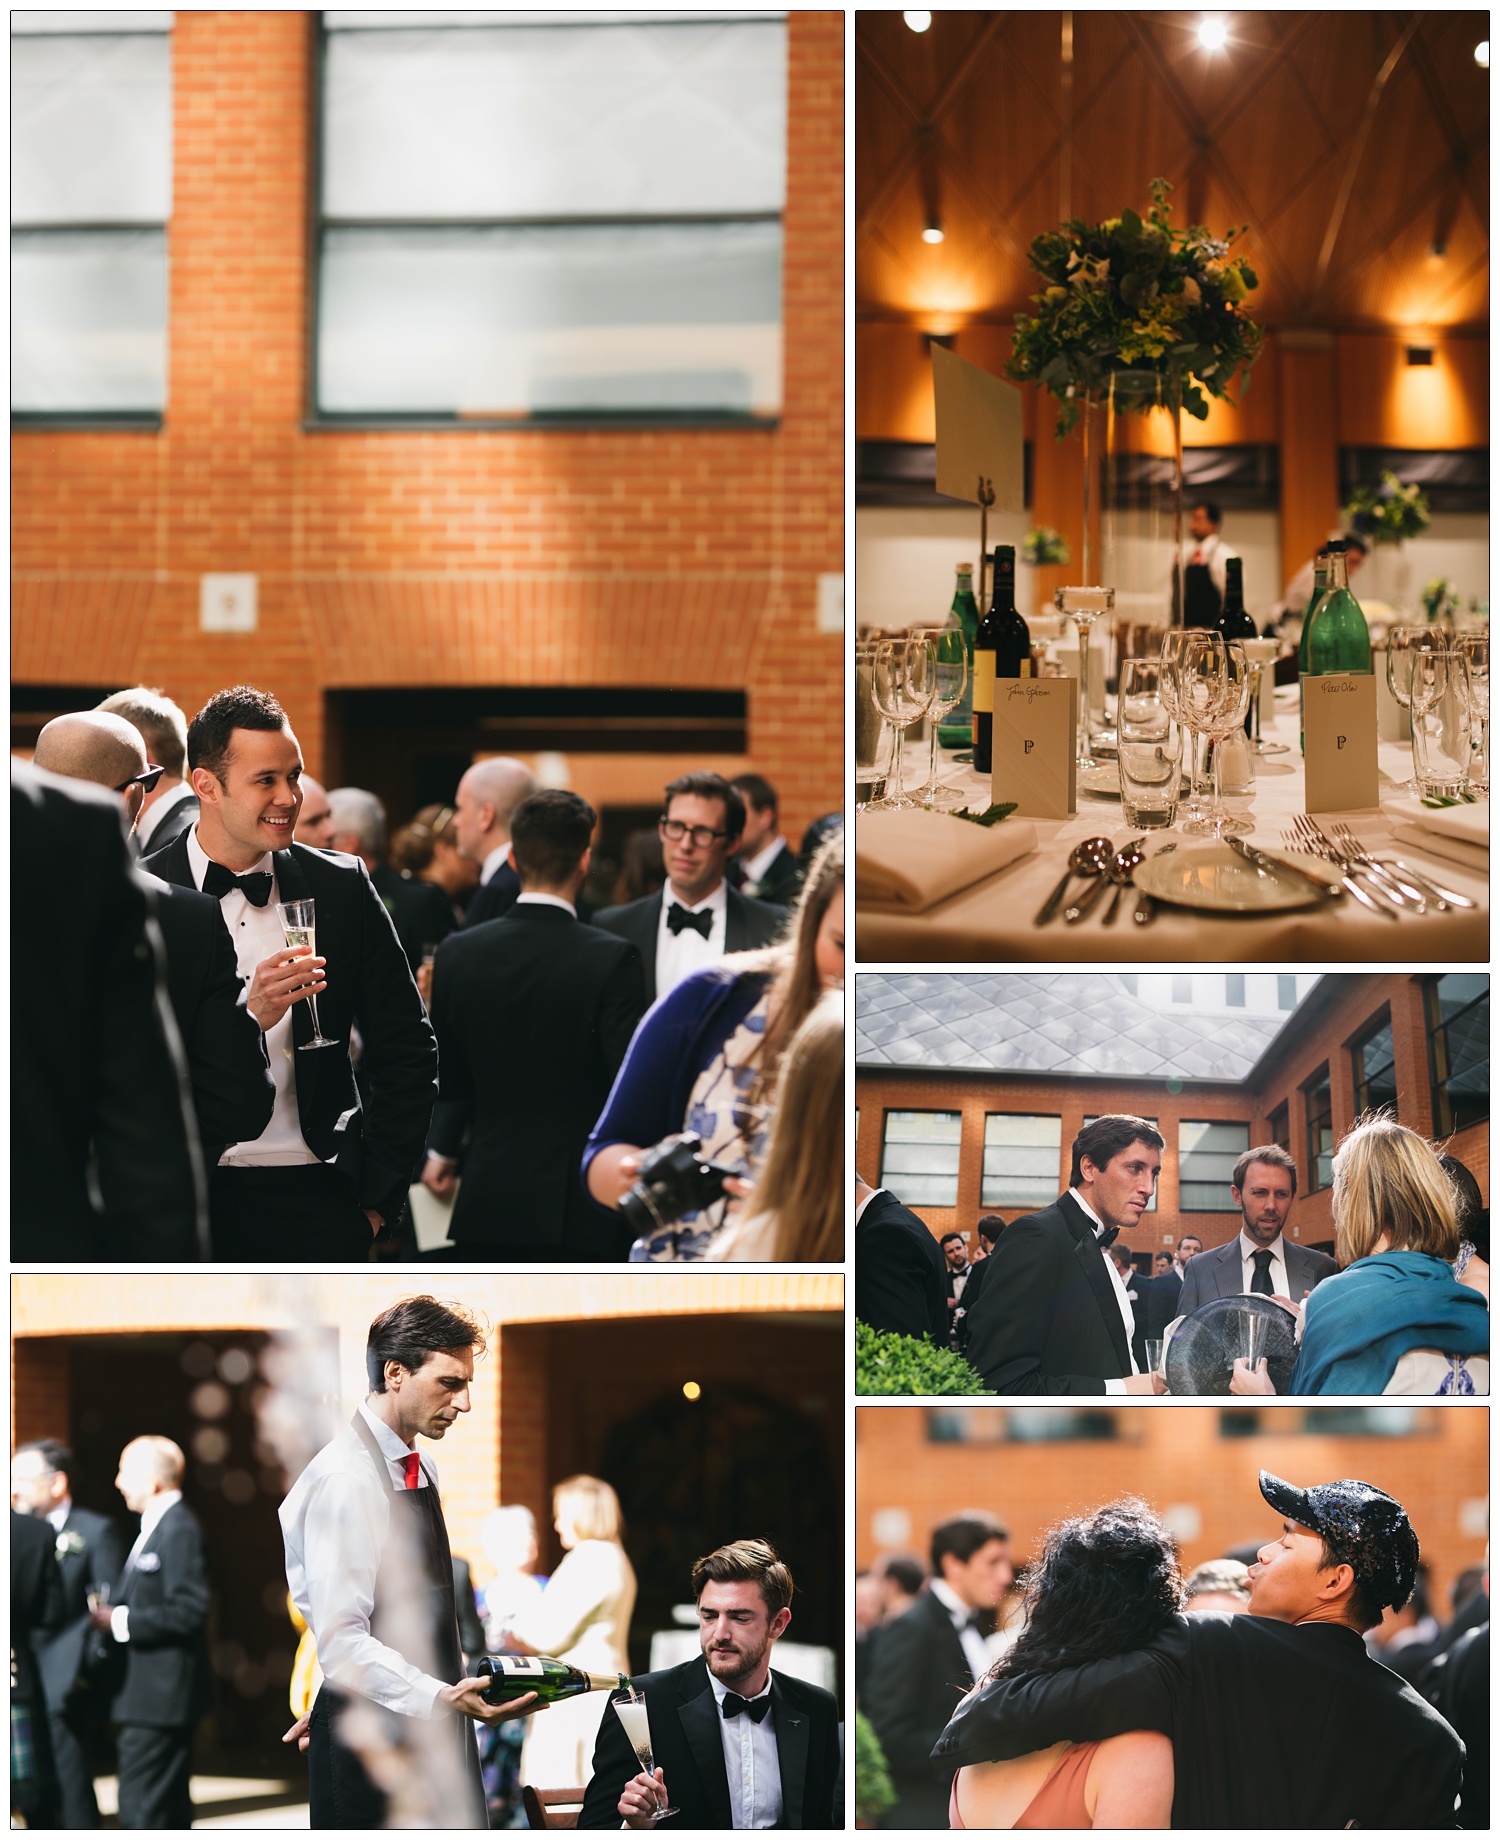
1458,1039
1182,989
1022,1160
919,1159
1374,1061
1094,1117
1234,990
1206,1156
539,217
1286,990
1317,1097
91,194
1021,1424
1281,1126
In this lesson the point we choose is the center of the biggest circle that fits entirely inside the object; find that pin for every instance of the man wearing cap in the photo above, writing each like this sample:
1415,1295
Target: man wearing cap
1278,1718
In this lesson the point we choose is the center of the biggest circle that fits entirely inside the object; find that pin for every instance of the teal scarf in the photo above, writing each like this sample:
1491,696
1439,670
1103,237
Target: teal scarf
1358,1324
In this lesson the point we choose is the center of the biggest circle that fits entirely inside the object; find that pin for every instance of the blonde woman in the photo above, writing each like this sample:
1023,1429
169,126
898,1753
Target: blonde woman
582,1617
796,1210
1394,1320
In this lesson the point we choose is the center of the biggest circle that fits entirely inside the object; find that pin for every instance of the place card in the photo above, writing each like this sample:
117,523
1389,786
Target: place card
1340,745
1035,745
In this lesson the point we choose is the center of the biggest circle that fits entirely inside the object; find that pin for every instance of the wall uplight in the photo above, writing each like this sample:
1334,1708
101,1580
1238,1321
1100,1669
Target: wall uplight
1213,34
1482,54
919,22
1419,354
933,234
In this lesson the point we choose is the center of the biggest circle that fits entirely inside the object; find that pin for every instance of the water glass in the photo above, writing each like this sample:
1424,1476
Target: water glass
1156,1357
1475,647
1441,723
1150,748
874,738
1247,1337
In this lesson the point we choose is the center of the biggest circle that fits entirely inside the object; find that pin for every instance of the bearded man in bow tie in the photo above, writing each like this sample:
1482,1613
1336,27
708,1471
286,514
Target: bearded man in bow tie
1053,1316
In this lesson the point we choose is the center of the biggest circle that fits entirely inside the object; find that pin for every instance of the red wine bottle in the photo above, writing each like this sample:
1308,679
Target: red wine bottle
1002,648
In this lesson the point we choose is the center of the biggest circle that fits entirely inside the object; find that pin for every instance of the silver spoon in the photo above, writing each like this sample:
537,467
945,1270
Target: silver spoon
1085,903
1120,871
1086,858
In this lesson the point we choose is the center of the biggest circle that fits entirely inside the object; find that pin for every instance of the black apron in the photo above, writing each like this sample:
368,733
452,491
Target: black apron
341,1792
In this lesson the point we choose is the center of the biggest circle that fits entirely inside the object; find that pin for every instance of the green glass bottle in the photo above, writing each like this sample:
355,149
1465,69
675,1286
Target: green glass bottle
956,730
1320,588
511,1676
1337,638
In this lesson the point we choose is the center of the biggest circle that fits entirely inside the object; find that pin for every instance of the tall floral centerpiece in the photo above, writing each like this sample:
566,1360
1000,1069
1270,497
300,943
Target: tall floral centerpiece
1386,515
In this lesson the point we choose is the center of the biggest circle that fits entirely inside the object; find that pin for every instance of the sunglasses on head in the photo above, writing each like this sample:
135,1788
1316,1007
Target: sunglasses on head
146,781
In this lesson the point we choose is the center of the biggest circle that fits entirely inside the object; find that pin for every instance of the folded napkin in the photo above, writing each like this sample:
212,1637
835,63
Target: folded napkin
1450,849
908,861
1468,823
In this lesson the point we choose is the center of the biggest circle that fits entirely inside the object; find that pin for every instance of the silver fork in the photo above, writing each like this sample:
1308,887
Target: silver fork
1305,835
1443,898
1355,852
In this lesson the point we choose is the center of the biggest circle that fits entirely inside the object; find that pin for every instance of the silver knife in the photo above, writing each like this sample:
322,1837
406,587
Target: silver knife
1145,906
1271,864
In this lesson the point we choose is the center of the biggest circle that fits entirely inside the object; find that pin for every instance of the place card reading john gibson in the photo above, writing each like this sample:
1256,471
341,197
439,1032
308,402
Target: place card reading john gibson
1036,731
1342,770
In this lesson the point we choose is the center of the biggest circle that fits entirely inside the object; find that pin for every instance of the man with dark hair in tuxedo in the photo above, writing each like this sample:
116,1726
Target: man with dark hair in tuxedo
734,1744
931,1655
1053,1316
328,1171
900,1274
35,1609
171,804
533,1014
419,911
487,796
768,866
697,917
88,1551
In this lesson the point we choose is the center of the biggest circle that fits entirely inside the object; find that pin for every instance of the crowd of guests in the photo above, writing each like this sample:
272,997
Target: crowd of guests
461,1059
1052,1302
1096,1686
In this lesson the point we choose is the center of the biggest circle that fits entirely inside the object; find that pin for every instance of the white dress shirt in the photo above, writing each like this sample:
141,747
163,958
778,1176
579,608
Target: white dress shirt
756,866
679,954
146,824
333,1525
750,1761
151,1514
493,863
1214,551
1122,1297
57,1518
1280,1283
975,1652
866,1202
546,900
257,933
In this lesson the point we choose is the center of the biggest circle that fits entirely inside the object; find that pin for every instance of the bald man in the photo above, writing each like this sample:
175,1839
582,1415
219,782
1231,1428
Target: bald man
228,1065
488,794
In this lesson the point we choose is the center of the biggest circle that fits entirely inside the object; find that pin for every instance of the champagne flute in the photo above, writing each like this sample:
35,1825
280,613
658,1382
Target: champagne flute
903,687
1402,644
632,1715
1215,676
950,672
299,925
1173,643
1475,647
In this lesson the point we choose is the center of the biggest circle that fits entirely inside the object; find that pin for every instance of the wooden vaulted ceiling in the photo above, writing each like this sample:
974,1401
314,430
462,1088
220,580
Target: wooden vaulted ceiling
1354,146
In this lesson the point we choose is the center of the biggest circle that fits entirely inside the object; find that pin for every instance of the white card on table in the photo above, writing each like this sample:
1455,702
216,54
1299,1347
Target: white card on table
1340,745
1035,745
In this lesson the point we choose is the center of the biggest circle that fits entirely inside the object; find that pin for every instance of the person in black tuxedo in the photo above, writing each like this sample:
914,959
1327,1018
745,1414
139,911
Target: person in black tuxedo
1053,1316
900,1275
330,1169
697,917
419,911
533,1014
735,1745
107,1163
989,1229
769,869
1278,1719
89,1551
928,1658
171,806
35,1610
1457,1684
487,795
228,1066
155,1625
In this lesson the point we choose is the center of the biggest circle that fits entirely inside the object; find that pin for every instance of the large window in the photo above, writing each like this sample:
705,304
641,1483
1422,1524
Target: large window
1374,1059
1206,1156
1458,1038
919,1159
1094,1117
545,217
1317,1097
1281,1127
972,1424
1286,990
1022,1160
91,193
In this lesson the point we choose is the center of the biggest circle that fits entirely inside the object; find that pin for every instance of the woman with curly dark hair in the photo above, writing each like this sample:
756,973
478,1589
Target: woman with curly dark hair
1104,1585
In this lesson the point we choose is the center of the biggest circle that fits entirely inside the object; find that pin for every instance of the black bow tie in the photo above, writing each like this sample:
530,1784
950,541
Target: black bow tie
755,1708
255,888
1107,1236
678,917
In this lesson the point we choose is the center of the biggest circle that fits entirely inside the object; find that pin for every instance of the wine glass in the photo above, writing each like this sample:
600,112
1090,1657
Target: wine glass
873,735
1261,653
1475,647
1432,681
1214,678
903,684
950,672
632,1715
299,925
1173,643
1402,645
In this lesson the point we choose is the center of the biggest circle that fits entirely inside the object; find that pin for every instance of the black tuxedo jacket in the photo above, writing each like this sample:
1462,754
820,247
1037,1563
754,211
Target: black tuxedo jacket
233,1092
92,1552
533,1014
1273,1725
374,1146
684,1718
35,1600
96,1074
182,817
978,1274
900,1274
918,1674
782,882
1047,1320
165,1679
494,898
1155,1306
747,924
420,912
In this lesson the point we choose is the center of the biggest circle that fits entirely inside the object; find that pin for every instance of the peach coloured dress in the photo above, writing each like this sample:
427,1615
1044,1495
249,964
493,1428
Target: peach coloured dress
1059,1802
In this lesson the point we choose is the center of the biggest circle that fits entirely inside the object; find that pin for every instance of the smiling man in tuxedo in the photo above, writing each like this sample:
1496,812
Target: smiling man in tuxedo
1258,1258
734,1744
326,1173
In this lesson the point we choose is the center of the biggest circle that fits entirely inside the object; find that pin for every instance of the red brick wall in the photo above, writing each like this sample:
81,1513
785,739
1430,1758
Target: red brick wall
678,559
40,1402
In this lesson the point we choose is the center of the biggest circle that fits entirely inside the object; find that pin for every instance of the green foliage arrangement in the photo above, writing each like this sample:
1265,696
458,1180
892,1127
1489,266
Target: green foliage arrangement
1158,310
874,1792
995,814
1044,546
886,1363
1440,599
1389,512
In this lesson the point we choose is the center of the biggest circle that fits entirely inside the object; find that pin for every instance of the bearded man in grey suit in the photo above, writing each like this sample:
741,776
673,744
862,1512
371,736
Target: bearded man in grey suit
1258,1258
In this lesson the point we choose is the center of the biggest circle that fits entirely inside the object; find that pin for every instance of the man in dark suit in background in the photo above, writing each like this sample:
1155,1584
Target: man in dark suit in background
768,866
89,1551
928,1659
1259,1258
35,1609
171,806
734,1744
155,1625
900,1275
1053,1316
697,917
533,1014
420,911
487,795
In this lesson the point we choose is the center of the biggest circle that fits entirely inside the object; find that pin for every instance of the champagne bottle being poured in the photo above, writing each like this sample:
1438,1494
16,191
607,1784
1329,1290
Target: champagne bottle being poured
512,1676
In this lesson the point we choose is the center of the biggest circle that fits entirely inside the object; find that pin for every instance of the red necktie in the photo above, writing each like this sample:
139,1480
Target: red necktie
413,1469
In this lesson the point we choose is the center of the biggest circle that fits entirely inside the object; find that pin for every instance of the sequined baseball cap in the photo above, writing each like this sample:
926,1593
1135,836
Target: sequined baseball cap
1365,1526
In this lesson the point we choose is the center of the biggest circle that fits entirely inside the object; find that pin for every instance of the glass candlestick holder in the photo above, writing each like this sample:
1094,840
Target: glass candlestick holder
1083,606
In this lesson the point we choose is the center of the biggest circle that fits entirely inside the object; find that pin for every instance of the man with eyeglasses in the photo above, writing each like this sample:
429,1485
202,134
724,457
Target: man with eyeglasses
697,917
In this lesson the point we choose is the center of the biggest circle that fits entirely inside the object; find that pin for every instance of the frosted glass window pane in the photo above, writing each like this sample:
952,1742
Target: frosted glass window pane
556,319
1022,1128
544,121
89,321
923,1127
91,129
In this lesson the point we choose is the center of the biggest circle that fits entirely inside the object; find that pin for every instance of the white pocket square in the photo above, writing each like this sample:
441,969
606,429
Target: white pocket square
148,1562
